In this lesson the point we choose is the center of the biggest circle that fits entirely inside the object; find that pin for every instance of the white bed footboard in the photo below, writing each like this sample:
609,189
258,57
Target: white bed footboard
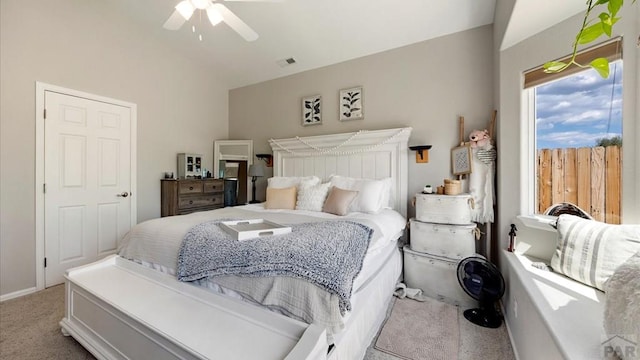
121,310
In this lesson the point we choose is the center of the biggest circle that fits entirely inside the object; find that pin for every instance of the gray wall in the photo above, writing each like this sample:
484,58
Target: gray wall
95,47
425,85
529,334
550,44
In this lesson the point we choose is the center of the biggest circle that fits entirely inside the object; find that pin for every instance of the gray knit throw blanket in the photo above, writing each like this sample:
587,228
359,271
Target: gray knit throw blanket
328,254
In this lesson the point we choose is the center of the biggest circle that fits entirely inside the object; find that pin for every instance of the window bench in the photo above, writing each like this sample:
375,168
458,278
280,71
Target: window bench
549,315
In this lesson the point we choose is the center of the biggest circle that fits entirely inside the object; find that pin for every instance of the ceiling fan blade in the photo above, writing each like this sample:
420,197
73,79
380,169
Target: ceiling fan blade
175,21
236,23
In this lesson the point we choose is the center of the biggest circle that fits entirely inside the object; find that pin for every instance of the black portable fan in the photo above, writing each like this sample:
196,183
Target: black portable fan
483,282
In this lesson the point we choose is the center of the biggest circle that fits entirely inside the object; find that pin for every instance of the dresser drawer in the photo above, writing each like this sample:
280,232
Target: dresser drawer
211,186
184,196
199,201
190,187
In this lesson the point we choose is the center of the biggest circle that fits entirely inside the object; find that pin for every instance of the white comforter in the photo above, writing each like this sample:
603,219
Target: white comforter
156,243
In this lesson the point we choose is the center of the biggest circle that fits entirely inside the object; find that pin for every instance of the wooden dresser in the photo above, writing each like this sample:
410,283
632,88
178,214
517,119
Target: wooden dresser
190,195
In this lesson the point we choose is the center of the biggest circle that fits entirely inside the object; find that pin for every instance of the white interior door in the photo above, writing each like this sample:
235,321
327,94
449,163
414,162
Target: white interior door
87,200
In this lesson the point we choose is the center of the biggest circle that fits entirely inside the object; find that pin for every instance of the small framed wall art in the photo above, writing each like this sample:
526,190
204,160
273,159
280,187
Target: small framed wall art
461,160
312,110
351,104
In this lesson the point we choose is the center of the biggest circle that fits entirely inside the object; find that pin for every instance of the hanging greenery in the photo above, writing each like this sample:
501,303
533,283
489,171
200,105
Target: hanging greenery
591,30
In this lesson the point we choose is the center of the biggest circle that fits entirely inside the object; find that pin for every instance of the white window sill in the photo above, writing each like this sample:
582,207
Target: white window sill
537,221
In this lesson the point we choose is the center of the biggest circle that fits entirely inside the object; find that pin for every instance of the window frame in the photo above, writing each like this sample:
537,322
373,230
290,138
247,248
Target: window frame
529,198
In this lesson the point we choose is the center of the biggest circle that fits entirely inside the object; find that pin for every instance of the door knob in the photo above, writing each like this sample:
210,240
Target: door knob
124,194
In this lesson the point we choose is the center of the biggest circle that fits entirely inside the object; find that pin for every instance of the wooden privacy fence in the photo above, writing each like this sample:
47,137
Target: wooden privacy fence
587,177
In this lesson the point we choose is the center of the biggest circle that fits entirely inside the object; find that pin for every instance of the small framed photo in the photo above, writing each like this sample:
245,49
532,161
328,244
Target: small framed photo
351,104
312,110
461,160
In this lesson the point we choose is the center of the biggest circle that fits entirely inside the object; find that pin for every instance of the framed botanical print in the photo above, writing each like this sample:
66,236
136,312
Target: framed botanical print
312,110
351,104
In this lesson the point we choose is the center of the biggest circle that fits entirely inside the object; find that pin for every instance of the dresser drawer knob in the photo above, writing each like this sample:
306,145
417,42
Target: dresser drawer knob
190,187
190,202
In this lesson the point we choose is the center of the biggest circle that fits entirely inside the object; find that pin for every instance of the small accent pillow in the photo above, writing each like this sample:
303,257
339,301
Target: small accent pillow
312,197
281,182
338,201
281,198
590,251
373,194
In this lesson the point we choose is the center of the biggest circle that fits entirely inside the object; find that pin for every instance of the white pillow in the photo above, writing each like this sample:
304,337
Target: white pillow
373,195
590,251
312,197
281,182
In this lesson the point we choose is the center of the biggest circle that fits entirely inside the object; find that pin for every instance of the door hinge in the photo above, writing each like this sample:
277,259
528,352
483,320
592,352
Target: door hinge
44,188
45,262
45,113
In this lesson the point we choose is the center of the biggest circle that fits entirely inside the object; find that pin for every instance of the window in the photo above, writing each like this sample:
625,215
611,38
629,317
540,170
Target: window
577,120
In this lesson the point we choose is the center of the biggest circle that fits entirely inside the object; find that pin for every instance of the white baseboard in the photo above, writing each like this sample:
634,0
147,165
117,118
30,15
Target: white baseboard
17,294
513,343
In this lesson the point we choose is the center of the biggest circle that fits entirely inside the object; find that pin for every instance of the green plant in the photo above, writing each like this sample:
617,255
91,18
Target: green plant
612,141
591,30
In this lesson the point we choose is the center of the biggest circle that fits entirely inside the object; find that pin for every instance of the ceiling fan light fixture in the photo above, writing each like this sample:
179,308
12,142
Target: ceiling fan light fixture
216,12
214,16
185,9
201,4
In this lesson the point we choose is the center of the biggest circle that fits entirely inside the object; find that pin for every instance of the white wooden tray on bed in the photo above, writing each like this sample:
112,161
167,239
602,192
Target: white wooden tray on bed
140,313
253,228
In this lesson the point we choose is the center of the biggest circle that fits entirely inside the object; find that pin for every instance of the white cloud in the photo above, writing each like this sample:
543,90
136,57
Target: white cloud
573,138
586,116
561,105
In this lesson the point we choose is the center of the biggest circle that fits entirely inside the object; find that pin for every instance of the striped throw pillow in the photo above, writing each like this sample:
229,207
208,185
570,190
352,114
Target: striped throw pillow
590,251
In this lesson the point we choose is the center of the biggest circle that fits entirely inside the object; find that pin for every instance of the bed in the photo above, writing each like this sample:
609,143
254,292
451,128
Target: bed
234,315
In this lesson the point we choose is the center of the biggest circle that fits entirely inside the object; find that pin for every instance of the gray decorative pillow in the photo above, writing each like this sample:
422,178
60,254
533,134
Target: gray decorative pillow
338,201
590,251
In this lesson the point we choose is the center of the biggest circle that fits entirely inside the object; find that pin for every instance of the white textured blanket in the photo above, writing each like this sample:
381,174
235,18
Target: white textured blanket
622,309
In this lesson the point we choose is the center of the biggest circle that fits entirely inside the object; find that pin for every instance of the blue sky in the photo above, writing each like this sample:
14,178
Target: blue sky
574,111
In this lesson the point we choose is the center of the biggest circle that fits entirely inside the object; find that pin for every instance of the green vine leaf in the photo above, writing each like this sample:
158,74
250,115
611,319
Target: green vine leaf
554,66
614,6
605,20
590,33
601,65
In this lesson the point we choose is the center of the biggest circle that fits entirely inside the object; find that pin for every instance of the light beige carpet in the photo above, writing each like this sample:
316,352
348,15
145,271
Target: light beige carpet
29,328
421,330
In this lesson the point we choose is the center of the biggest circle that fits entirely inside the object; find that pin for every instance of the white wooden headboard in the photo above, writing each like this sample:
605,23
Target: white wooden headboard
371,154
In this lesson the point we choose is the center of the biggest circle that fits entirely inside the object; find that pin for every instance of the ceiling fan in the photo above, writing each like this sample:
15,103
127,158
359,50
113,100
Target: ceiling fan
216,12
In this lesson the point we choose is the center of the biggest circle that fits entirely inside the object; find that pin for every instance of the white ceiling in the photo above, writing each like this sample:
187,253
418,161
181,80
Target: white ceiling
318,33
532,16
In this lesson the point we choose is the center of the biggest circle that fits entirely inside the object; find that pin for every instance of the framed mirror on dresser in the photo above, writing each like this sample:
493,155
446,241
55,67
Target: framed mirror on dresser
231,162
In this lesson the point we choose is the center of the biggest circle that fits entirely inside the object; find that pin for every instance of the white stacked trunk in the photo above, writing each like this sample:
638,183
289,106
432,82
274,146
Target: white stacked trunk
444,209
441,235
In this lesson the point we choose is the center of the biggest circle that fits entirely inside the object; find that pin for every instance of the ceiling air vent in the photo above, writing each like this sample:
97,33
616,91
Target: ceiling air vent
286,62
